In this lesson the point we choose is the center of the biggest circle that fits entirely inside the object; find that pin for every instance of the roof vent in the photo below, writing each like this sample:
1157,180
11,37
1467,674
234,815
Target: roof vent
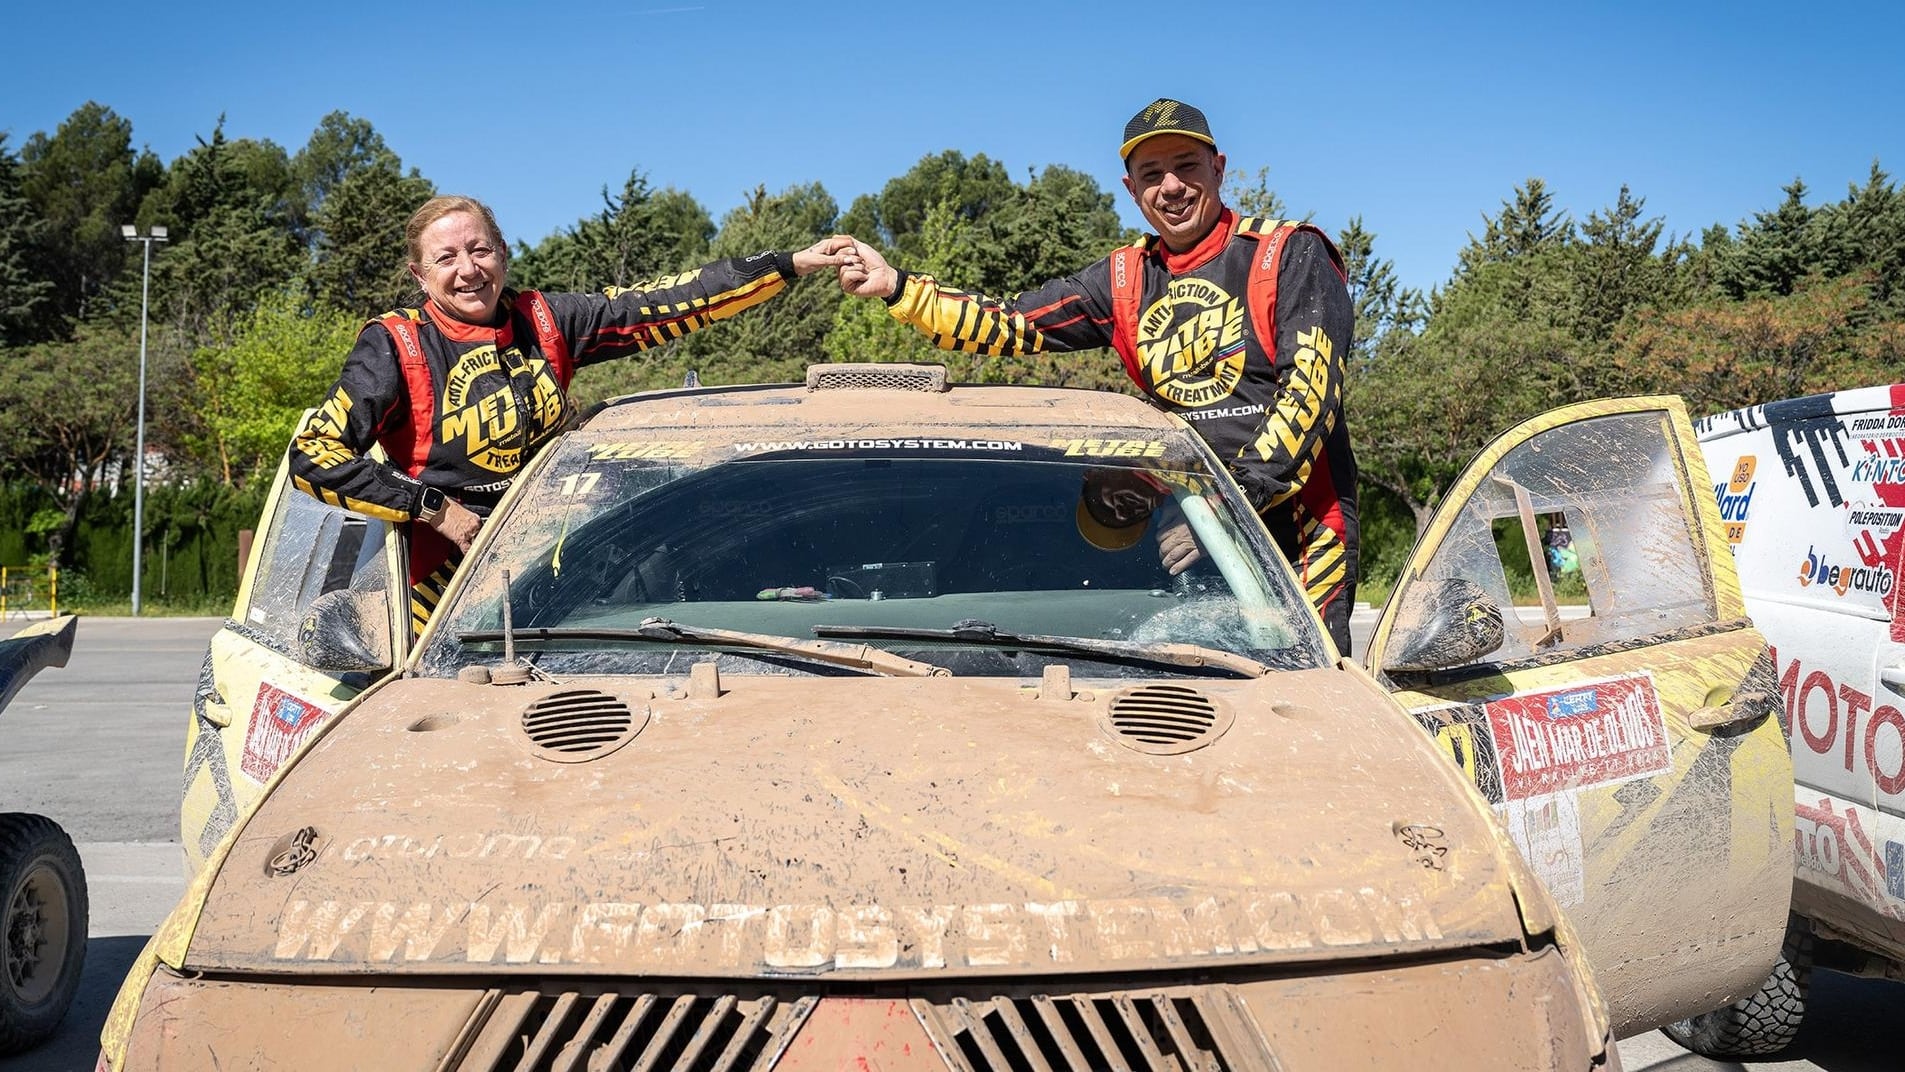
1164,720
877,376
580,724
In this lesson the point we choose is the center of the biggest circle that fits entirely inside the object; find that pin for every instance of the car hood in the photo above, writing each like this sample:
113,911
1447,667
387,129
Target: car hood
771,825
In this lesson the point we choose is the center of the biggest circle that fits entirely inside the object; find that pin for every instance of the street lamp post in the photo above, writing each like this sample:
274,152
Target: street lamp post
153,234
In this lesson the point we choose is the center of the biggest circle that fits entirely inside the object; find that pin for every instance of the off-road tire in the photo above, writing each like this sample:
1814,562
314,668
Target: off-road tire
1764,1022
42,928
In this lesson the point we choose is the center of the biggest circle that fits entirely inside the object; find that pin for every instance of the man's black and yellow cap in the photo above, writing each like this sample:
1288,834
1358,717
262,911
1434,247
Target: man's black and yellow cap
1165,116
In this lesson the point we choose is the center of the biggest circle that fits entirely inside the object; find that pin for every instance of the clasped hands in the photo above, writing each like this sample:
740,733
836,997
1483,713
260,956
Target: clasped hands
863,272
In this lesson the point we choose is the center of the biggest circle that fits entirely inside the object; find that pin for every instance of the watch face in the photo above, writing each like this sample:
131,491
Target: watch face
432,499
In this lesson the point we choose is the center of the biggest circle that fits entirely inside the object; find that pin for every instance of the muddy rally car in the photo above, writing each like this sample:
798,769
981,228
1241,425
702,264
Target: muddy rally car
860,724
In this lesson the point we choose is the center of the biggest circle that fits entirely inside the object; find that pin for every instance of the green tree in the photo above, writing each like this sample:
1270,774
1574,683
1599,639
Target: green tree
67,415
773,342
24,291
1057,223
1774,251
970,189
230,208
359,262
1528,224
341,146
85,182
251,393
1866,233
1423,404
1253,196
640,235
1614,266
1381,303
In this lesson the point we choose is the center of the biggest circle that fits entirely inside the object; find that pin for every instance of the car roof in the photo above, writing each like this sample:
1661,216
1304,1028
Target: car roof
883,399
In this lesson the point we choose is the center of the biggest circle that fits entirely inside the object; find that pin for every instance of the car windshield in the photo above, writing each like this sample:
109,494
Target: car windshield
957,553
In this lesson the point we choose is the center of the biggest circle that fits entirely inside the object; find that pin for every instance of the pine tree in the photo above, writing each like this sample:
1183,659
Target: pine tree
24,291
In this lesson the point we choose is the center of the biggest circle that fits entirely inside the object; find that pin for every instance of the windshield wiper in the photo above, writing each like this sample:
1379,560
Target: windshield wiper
985,634
664,631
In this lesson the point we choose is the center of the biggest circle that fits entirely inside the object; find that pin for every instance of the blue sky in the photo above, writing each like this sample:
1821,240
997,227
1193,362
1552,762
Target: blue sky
1419,117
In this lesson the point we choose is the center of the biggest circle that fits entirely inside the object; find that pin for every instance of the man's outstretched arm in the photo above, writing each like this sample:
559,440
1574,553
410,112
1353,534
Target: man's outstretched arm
1071,313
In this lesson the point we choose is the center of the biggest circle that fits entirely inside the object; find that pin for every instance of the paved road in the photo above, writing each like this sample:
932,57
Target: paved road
98,746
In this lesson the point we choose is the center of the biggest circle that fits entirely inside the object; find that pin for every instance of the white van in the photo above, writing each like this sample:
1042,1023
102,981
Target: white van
1812,495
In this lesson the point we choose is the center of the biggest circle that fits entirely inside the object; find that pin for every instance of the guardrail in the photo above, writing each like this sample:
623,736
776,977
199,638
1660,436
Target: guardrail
27,590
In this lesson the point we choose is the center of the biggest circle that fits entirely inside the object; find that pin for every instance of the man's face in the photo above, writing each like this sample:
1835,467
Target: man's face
462,270
1177,183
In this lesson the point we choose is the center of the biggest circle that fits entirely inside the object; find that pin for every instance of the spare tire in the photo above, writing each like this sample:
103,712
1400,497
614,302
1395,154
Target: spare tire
42,928
1764,1022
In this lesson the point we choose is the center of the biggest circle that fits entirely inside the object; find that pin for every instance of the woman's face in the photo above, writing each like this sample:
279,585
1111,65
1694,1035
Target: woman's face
462,269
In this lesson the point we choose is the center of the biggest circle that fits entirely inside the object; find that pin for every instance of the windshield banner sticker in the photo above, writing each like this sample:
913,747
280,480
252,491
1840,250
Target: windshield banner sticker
818,937
1110,448
780,447
1594,734
638,451
279,723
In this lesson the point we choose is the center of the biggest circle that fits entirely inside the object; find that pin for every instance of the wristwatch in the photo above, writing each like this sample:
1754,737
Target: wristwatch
430,505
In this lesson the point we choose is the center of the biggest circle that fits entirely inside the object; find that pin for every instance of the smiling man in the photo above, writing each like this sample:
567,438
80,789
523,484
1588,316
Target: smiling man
1240,325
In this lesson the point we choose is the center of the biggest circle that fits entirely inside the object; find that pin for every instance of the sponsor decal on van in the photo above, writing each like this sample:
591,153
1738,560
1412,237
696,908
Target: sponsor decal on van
1876,425
1736,497
1872,519
1878,469
1816,569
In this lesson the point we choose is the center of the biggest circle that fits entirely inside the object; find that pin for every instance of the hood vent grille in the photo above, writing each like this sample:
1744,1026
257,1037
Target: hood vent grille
1157,1030
532,1031
877,376
580,725
1164,720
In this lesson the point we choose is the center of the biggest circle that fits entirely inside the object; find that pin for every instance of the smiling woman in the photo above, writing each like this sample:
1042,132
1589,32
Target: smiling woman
463,390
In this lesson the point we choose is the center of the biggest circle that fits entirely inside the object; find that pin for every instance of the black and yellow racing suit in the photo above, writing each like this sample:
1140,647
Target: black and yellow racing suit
497,394
1191,339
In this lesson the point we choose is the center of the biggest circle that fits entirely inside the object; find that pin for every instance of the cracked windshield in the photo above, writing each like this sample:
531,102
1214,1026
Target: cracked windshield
982,557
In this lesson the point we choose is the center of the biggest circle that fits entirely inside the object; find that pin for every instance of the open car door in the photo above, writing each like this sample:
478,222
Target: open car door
1626,731
270,677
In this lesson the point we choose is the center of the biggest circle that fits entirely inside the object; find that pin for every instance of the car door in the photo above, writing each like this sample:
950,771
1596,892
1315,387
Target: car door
257,698
1623,730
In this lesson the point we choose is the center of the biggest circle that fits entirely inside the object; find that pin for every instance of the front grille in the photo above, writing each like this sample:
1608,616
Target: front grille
1176,1029
877,376
605,1030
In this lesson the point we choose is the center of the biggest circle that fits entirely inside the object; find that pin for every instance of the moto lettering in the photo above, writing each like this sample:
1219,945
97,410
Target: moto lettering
1829,716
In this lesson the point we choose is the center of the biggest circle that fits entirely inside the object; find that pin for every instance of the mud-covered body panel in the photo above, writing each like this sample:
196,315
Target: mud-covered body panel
856,826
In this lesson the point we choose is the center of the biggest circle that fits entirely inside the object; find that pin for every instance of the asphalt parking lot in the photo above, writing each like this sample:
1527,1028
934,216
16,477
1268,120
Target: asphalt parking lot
98,746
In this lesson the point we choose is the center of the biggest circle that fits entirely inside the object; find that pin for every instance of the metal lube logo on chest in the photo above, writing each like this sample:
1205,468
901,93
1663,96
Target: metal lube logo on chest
1191,342
479,409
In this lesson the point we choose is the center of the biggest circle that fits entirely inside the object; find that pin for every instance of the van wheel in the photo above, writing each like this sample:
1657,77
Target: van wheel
42,928
1764,1022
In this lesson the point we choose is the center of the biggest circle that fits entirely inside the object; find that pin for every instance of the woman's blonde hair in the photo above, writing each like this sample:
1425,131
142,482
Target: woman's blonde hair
440,206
